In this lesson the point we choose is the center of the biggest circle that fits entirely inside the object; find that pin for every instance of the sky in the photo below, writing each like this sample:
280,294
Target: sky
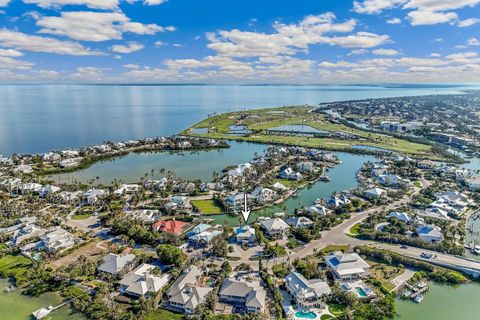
240,41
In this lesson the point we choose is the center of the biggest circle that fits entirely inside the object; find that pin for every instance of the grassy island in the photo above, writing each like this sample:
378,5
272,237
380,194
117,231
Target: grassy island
278,126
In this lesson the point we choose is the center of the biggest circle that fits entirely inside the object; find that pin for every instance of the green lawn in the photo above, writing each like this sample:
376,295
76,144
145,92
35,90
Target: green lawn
354,230
14,265
208,206
336,309
161,314
259,120
333,248
81,216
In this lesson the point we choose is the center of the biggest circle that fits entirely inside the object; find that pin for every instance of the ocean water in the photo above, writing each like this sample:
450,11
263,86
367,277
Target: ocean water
39,118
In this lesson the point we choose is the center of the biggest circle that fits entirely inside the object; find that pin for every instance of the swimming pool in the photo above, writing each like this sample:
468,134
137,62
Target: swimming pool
305,315
360,292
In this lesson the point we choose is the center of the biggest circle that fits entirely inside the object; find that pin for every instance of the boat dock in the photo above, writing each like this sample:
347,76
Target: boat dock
415,292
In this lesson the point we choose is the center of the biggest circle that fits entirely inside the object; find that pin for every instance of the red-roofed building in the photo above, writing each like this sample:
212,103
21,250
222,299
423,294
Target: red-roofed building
170,226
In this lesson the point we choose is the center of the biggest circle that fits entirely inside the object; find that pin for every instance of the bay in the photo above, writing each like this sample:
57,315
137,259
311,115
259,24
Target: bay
39,118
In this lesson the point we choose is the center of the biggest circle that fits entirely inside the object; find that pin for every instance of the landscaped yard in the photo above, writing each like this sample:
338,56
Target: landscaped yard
354,230
212,206
14,265
333,248
81,216
161,314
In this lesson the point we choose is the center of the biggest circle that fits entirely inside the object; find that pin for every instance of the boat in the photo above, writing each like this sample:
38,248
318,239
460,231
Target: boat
418,298
407,294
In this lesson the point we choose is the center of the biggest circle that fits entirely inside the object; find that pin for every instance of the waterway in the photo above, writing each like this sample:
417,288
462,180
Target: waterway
342,177
443,302
16,306
190,165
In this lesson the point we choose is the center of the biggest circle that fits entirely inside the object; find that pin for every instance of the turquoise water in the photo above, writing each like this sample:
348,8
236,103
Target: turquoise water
38,118
305,315
298,128
186,165
443,302
342,177
360,292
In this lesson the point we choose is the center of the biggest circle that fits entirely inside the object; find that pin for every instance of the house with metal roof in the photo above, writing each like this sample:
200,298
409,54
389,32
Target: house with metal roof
347,266
116,263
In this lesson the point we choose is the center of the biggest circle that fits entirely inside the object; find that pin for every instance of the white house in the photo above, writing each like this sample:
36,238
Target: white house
244,289
402,216
275,228
430,233
347,266
142,283
262,195
186,294
305,166
245,235
374,193
300,222
306,293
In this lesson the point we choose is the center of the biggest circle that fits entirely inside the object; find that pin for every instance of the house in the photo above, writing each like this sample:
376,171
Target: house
275,228
278,186
144,215
27,232
262,195
240,170
289,174
115,264
69,163
236,201
126,189
244,290
392,180
185,294
31,187
94,195
338,201
374,193
51,156
430,233
43,192
169,226
25,221
305,166
347,266
306,293
473,182
435,212
56,239
178,203
245,235
67,197
203,234
299,222
142,283
402,216
317,209
156,185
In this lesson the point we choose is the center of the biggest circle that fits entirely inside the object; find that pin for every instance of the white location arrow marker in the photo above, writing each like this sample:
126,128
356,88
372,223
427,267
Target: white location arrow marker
245,211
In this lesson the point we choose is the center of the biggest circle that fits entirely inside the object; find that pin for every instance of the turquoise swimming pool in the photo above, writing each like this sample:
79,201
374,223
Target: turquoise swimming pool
305,315
361,293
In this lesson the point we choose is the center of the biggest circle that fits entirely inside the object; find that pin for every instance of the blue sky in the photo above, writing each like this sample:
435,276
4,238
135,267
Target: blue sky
262,41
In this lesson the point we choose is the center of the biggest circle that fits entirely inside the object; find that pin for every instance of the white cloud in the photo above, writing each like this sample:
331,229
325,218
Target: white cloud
385,52
4,3
94,4
160,43
22,41
129,47
422,12
10,53
289,39
7,62
131,66
357,52
418,18
154,2
473,42
435,55
95,26
468,22
394,21
375,6
89,74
